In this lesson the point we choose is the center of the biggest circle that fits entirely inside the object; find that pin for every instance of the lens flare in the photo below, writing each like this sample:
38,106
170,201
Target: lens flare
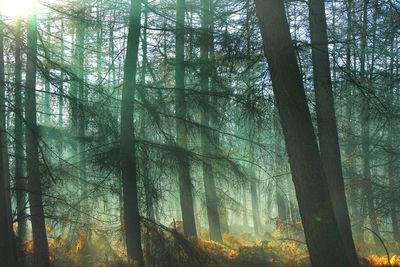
16,8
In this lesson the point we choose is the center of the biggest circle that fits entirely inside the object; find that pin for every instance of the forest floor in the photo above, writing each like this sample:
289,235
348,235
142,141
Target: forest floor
167,247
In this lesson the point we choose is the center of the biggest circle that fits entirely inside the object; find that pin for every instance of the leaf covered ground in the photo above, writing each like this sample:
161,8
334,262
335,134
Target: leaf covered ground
167,247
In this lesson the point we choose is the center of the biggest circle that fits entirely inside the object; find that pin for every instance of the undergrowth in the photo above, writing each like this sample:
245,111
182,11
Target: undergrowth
166,247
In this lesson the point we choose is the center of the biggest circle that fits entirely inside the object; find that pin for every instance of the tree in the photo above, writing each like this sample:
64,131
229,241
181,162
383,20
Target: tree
20,178
185,184
127,142
207,144
327,129
323,237
367,191
40,244
7,241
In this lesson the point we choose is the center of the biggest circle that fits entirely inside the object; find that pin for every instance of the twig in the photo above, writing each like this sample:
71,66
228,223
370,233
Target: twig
383,244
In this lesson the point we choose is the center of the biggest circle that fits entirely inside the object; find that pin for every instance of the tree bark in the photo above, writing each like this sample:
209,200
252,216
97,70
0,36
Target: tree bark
207,144
255,209
365,129
350,148
40,245
20,178
327,128
392,168
321,230
7,241
127,144
185,184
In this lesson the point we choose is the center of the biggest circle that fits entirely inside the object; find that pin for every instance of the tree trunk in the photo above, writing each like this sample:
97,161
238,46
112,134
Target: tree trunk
185,184
253,182
7,241
392,168
326,121
46,93
20,179
127,145
365,130
40,245
244,207
350,148
61,91
207,144
282,201
321,230
254,203
81,100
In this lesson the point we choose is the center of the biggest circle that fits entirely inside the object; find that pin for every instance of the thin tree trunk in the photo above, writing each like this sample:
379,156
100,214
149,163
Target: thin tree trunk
350,148
40,245
46,93
185,184
207,144
19,147
244,204
392,165
253,185
61,91
321,230
127,145
326,121
365,129
8,254
81,100
254,203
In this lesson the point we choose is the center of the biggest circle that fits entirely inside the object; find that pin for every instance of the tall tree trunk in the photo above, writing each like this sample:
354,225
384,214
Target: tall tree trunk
145,153
7,241
185,184
215,120
127,144
77,100
40,245
350,148
392,168
61,91
327,128
20,179
46,93
321,230
207,144
81,122
365,129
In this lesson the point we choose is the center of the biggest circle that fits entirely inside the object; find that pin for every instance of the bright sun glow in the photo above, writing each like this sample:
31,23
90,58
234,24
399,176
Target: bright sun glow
16,8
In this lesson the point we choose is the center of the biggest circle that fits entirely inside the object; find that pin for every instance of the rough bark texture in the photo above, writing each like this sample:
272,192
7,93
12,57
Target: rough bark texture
321,230
127,145
326,120
40,245
185,184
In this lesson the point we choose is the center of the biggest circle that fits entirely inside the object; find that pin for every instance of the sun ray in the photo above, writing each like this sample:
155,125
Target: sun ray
16,8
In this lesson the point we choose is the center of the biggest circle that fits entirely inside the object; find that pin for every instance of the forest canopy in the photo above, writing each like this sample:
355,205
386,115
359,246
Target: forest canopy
199,133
